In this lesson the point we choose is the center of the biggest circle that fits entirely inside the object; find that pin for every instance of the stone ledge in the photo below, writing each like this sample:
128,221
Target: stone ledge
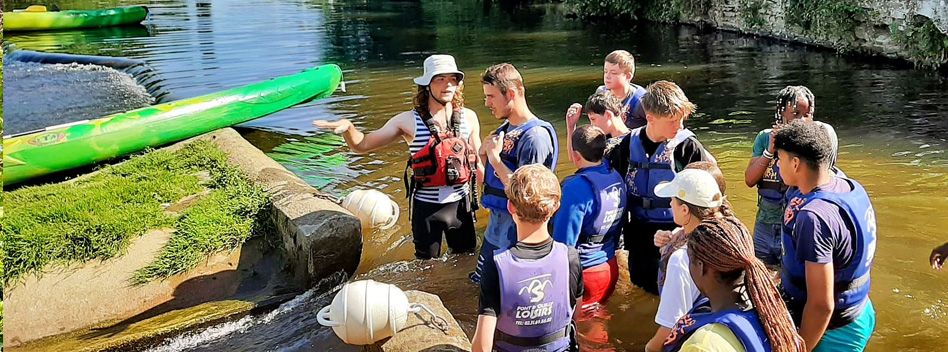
419,335
319,236
93,307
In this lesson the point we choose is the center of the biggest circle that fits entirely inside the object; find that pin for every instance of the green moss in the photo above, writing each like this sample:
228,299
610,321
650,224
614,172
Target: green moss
695,8
619,9
831,20
652,10
922,41
97,217
752,12
662,10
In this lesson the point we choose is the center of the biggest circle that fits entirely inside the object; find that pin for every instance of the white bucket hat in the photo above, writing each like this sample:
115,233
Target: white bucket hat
438,65
696,187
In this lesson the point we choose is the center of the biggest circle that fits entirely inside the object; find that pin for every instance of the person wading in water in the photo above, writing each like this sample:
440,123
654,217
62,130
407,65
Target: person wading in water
522,139
530,291
723,266
793,103
441,198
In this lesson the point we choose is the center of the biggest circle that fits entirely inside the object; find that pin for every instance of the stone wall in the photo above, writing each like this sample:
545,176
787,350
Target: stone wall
915,30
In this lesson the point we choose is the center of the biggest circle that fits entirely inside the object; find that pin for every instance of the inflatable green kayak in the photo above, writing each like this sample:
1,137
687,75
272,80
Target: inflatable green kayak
36,18
64,147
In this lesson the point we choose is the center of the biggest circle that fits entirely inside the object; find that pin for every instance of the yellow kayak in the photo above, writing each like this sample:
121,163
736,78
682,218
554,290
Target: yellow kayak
37,18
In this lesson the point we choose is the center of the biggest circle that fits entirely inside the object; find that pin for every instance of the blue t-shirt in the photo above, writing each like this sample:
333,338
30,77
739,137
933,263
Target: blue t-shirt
536,147
578,209
821,234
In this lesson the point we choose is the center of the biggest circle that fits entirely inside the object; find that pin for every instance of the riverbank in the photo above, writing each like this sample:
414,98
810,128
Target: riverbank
915,30
208,203
131,252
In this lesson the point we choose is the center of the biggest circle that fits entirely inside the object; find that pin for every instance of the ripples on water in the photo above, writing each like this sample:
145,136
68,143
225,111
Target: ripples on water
892,122
38,95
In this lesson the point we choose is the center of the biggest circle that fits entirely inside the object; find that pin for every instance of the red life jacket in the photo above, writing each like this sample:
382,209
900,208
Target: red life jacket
446,160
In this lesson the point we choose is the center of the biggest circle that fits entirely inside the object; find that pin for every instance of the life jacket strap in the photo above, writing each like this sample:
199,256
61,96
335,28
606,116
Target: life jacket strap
838,287
595,239
775,186
496,192
530,341
650,203
649,165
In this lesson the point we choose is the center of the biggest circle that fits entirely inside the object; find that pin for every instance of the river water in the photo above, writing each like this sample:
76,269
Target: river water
892,122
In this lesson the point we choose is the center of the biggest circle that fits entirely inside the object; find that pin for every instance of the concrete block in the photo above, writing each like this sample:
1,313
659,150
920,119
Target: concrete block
420,335
320,237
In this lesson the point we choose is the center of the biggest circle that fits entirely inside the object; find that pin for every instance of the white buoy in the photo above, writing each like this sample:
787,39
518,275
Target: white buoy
364,312
373,208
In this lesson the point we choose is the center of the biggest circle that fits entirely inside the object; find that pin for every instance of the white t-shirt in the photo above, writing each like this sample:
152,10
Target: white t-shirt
833,139
679,292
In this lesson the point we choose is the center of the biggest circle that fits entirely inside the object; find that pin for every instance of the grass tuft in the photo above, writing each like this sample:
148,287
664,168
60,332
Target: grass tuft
97,217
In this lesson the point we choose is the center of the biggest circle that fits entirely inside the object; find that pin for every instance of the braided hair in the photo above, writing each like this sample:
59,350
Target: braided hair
788,98
726,246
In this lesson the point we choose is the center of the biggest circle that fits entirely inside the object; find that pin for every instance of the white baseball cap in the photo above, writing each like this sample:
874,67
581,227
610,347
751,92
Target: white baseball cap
438,65
696,187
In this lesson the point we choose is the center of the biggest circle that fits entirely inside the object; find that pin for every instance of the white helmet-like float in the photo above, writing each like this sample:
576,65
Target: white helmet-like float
364,312
373,208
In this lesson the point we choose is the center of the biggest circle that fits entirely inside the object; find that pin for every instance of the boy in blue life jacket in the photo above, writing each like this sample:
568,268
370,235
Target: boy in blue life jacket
655,152
530,290
590,217
523,139
604,111
829,241
617,73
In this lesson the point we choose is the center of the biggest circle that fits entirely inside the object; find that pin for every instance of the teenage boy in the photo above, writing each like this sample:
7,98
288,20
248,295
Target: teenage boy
590,218
523,139
604,111
656,151
829,240
617,73
529,291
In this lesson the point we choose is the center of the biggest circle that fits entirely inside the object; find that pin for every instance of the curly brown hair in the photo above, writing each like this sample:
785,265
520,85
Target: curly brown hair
420,100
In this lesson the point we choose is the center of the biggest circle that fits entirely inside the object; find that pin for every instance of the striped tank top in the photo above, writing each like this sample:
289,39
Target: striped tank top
442,194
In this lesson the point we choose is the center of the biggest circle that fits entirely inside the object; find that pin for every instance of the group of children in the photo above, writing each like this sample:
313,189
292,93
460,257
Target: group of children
644,182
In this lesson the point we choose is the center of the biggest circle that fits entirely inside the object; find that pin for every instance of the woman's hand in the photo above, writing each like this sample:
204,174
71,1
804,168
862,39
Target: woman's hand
337,127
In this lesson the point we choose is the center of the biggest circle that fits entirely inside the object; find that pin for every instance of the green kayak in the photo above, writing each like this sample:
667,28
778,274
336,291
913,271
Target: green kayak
64,147
36,18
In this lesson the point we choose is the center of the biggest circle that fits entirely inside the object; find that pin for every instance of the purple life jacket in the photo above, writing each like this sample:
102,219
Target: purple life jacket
535,309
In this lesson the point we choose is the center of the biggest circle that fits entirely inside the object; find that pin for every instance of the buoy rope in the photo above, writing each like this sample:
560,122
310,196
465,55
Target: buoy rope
437,321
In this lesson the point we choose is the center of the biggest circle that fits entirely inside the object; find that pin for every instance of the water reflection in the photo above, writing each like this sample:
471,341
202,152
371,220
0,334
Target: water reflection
82,42
892,122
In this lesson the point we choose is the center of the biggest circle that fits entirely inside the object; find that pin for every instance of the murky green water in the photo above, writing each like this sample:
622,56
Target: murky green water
892,123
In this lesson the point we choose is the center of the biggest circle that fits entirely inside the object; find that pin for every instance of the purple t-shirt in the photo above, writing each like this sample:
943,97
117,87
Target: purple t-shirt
822,234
